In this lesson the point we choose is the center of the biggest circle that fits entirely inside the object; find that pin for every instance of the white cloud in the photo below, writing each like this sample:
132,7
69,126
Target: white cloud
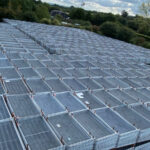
113,6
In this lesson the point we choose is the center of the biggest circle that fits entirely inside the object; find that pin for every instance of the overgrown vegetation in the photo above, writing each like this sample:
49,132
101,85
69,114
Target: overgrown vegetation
132,29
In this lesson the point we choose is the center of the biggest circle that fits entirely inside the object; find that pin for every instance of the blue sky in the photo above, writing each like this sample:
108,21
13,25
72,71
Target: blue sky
114,6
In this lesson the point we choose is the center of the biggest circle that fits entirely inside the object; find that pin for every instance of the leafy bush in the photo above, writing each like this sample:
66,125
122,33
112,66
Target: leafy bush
45,21
110,29
125,34
117,31
56,22
30,16
77,13
133,24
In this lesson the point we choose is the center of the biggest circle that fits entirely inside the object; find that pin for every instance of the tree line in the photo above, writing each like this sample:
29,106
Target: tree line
132,29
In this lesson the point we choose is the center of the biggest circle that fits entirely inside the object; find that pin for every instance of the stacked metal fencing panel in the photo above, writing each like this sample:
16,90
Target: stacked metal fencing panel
64,88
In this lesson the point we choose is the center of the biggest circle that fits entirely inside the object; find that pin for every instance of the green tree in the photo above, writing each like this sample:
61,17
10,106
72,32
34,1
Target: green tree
42,12
30,16
125,34
77,13
110,29
124,13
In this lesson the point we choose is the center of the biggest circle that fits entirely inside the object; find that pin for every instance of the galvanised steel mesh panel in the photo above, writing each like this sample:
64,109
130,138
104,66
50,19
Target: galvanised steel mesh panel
57,85
138,96
90,84
26,56
50,64
130,82
2,55
9,139
46,73
61,73
20,63
76,73
89,100
15,87
37,85
142,110
4,63
9,73
135,119
3,109
106,98
74,84
118,83
144,91
99,72
122,96
1,88
70,102
48,104
41,56
71,132
35,63
22,106
64,64
28,73
104,136
104,83
13,55
38,135
127,133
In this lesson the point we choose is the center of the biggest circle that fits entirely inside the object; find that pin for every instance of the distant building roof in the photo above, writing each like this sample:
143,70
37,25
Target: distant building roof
58,12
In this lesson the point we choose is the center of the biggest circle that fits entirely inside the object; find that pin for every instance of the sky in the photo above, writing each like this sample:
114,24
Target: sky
113,6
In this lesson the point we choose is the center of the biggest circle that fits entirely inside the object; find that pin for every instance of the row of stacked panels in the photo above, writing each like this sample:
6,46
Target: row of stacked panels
76,129
82,40
74,111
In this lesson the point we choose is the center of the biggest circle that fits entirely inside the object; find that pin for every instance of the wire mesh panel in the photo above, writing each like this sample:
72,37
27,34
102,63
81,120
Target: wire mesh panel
70,132
70,102
4,63
123,97
57,85
89,100
46,73
142,110
38,135
118,83
38,85
20,63
28,73
127,133
90,84
106,98
105,138
9,73
9,139
138,96
138,121
3,109
74,84
61,73
144,91
1,88
103,82
35,63
48,104
22,106
15,87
